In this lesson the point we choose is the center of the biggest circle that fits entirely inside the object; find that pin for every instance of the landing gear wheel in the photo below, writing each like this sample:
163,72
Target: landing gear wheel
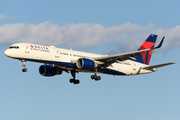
71,80
99,78
76,82
73,73
24,70
95,77
92,77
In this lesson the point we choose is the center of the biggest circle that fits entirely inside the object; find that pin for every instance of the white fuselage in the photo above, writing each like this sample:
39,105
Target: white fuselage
66,59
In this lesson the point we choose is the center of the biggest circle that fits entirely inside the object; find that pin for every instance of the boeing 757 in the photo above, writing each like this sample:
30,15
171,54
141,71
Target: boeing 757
56,60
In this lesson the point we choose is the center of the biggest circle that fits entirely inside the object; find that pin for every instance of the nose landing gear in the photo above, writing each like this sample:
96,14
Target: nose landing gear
23,65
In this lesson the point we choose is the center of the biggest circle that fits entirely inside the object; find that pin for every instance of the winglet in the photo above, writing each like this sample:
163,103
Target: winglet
160,44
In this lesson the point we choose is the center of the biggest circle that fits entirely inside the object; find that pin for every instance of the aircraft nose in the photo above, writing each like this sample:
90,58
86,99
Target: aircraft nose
7,52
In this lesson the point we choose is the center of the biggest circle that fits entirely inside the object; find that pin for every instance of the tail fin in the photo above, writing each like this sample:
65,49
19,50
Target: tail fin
146,56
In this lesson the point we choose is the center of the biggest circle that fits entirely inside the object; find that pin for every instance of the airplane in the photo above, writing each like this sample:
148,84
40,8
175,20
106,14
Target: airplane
56,60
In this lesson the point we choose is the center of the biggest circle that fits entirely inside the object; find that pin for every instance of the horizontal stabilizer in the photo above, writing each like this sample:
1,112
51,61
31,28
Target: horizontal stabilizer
157,66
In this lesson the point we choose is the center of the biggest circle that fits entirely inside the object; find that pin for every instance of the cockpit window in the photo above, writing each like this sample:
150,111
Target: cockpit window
14,47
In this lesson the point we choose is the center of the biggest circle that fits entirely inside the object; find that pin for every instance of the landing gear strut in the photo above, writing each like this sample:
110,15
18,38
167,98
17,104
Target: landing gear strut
73,73
95,76
23,65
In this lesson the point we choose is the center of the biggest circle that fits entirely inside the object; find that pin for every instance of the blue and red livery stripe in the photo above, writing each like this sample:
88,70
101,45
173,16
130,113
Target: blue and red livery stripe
145,57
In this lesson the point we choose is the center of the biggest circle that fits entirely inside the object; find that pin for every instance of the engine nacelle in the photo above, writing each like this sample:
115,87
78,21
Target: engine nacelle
84,63
49,70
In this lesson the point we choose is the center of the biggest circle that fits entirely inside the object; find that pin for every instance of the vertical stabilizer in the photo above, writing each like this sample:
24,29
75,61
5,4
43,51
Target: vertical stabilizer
145,57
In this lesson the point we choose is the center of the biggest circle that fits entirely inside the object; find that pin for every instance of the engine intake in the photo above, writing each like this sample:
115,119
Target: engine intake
84,63
49,70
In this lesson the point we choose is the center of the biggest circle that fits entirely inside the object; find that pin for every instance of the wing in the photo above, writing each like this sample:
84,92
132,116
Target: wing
108,60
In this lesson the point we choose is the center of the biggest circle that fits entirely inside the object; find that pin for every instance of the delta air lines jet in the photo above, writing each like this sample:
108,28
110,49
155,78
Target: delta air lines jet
57,60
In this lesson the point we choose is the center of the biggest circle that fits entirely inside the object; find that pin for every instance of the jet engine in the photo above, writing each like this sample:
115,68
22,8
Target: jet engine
84,63
49,70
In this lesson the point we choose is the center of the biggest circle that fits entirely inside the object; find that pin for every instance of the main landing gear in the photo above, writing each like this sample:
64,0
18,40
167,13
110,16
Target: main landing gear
73,73
95,76
23,65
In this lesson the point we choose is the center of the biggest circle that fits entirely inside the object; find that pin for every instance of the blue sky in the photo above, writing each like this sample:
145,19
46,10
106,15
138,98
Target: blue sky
105,27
